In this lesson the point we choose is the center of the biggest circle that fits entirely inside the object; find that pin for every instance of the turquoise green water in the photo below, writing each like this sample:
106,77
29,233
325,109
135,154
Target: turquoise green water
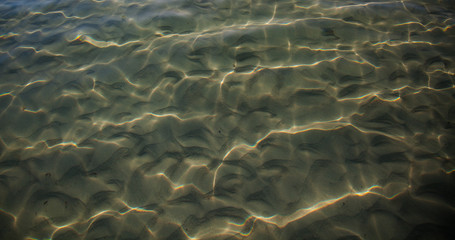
227,119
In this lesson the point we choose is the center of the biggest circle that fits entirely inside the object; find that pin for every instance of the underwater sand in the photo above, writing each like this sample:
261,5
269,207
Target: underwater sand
193,119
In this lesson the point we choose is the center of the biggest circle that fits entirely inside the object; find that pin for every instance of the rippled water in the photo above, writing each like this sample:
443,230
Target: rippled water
188,119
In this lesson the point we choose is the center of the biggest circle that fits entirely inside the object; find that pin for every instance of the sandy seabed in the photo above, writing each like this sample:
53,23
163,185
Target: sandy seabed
193,119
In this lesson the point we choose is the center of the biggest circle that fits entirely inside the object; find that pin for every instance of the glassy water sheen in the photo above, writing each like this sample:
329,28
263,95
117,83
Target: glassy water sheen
227,119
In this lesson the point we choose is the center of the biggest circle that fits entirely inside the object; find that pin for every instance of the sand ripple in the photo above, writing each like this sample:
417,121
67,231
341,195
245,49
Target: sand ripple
188,119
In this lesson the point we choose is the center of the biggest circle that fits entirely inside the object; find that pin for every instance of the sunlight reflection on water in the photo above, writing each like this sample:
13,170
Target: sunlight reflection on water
226,119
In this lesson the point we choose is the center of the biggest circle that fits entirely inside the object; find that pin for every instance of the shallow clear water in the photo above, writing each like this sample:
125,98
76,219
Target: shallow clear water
223,119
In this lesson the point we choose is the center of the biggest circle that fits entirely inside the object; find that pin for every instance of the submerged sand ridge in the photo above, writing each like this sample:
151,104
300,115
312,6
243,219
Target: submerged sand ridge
227,120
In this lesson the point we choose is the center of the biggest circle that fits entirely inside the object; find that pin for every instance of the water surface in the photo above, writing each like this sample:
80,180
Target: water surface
223,119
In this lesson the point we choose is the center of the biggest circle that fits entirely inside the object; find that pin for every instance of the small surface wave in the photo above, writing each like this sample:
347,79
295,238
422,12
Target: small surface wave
189,119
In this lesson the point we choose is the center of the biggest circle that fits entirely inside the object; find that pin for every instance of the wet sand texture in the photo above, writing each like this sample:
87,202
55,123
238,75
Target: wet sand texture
185,119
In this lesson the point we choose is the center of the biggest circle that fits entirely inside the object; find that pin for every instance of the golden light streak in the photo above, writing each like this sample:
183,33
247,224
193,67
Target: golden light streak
37,81
282,221
273,16
101,44
59,145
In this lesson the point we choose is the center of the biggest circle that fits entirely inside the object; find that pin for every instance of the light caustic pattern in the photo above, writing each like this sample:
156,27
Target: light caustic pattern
189,119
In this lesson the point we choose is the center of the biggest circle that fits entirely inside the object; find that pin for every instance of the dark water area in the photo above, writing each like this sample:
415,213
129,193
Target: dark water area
194,119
